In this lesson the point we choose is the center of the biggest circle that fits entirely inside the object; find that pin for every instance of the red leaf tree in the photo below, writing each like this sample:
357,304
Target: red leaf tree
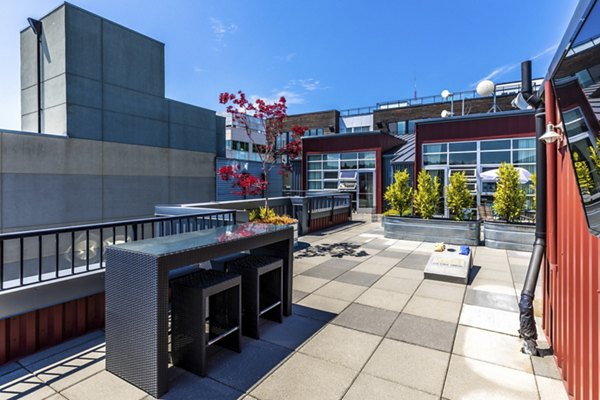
274,152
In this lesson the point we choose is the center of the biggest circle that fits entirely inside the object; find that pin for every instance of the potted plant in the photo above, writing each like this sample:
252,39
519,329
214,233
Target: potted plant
509,202
273,151
398,224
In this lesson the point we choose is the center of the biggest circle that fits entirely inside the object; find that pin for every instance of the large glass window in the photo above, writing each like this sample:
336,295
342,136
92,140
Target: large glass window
495,157
323,170
463,146
495,144
434,159
463,158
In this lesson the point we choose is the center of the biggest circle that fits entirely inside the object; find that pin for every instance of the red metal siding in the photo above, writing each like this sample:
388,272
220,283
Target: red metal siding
25,334
572,312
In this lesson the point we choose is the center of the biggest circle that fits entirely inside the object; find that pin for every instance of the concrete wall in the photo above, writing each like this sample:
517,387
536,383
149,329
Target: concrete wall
103,81
51,180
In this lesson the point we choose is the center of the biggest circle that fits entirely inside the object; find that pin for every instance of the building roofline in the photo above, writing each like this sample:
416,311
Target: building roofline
66,3
489,115
313,112
337,135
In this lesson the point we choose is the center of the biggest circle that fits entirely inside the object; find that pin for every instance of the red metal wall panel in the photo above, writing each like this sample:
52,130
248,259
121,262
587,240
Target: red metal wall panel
25,334
573,318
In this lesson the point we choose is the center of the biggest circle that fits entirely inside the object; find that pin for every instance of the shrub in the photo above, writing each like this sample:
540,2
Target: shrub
509,199
458,196
268,216
399,194
427,194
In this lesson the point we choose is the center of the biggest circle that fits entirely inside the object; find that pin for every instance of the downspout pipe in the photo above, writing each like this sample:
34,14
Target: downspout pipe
528,331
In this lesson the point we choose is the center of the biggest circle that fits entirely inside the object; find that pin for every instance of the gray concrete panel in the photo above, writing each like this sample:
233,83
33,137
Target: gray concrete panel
191,190
188,114
29,122
54,120
220,140
133,196
54,91
191,163
44,154
84,122
132,60
124,128
186,137
84,43
53,44
29,102
132,102
83,91
127,159
49,199
28,59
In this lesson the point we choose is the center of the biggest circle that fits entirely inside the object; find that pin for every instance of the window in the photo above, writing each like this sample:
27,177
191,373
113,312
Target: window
434,148
228,144
495,157
463,146
239,146
463,158
314,132
495,144
402,127
434,159
324,171
358,129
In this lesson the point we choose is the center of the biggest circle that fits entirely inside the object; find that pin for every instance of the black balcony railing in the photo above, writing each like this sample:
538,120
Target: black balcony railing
36,256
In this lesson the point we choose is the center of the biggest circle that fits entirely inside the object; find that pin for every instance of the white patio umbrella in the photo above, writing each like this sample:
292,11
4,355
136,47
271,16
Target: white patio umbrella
492,175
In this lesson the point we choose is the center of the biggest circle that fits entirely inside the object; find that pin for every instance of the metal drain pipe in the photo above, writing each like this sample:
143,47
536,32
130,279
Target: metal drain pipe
527,329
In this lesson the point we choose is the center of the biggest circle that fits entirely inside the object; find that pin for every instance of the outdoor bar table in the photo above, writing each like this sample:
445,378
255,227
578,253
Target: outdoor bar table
137,283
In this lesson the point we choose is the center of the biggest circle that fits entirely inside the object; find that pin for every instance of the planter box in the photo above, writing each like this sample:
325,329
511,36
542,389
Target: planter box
513,236
432,230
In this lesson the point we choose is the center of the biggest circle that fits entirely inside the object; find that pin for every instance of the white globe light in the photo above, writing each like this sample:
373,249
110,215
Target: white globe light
485,88
446,93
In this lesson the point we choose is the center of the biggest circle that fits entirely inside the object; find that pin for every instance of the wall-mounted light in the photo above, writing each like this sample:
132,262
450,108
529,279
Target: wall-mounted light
553,133
447,113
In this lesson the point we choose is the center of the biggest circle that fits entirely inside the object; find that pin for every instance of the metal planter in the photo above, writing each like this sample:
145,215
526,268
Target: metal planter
432,230
514,236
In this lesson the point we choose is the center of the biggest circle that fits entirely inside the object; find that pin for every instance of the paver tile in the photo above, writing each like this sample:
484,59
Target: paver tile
414,261
188,386
405,273
491,300
308,283
433,308
298,295
427,332
400,285
490,319
370,387
453,292
470,379
303,377
103,386
409,365
545,366
20,384
339,345
551,389
323,303
385,299
341,290
367,319
394,254
292,332
325,271
358,278
493,286
492,347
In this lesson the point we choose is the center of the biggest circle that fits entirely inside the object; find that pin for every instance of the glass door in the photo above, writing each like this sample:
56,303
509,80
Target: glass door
441,175
366,192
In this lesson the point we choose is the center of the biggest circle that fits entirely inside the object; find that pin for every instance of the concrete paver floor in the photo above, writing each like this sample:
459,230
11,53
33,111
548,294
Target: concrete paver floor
365,325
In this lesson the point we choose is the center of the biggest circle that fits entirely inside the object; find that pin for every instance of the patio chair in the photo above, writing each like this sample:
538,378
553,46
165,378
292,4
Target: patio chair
485,213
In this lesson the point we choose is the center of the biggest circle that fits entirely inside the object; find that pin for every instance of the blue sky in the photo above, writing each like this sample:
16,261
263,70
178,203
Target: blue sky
320,54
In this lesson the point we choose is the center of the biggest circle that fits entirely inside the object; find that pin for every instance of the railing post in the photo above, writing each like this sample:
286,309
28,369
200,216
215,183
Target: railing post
332,208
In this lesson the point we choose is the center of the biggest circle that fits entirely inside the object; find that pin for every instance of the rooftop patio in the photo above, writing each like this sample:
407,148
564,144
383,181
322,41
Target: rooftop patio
365,324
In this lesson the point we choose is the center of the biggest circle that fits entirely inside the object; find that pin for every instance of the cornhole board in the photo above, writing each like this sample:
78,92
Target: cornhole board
449,266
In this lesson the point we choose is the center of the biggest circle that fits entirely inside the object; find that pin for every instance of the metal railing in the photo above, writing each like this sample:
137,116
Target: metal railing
501,90
36,256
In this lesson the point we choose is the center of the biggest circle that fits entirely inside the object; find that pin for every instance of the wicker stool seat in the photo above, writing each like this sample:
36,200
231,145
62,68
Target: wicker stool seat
205,310
262,290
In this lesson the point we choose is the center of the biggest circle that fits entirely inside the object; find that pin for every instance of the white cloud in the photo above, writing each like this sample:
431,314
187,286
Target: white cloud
500,71
291,97
287,58
221,29
199,70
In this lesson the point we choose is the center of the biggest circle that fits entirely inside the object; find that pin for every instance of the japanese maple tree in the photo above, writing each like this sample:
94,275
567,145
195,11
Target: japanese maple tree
273,152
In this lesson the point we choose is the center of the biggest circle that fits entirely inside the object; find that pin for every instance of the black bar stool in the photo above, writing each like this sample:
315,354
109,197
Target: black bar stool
262,290
205,310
